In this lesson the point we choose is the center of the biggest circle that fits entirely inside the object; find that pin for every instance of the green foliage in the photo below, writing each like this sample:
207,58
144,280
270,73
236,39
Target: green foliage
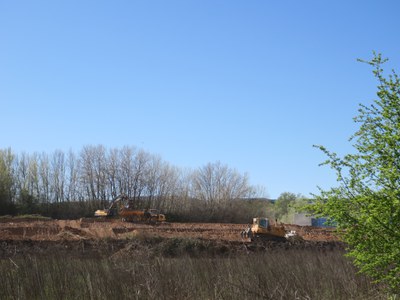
6,183
287,205
27,203
283,202
366,205
300,205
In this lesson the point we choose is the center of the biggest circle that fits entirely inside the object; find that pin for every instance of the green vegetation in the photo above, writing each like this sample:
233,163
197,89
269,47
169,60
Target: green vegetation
274,275
287,205
366,205
7,206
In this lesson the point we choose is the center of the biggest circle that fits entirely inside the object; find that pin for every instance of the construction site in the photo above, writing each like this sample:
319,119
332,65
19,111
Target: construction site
139,254
105,237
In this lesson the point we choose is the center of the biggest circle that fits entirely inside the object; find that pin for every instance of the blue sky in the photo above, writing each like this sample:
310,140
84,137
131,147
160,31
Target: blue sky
253,84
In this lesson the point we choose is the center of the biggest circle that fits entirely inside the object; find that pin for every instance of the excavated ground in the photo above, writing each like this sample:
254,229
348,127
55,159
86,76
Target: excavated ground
105,238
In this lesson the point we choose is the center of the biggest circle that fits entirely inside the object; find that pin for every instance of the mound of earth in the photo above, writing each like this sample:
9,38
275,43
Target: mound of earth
114,238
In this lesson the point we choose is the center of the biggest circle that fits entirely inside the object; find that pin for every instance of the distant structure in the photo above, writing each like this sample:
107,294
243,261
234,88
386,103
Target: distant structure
302,219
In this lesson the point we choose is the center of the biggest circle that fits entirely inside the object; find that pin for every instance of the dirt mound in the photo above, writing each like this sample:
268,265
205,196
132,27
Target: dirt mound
35,230
98,229
99,237
314,233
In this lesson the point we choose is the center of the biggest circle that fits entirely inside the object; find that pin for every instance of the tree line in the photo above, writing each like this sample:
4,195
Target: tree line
95,175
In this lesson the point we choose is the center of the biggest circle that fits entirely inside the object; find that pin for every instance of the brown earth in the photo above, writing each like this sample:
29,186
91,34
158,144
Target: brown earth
88,237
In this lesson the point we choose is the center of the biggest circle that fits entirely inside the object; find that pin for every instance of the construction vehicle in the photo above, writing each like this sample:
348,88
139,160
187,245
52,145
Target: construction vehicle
122,206
265,230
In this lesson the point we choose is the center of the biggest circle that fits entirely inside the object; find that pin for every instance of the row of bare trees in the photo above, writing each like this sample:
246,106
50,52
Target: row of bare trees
98,173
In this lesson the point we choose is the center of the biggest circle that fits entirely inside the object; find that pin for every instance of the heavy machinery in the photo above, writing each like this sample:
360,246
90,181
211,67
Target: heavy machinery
264,229
122,206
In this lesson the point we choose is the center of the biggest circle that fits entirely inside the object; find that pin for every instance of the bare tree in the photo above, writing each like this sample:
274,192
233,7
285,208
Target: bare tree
139,172
44,178
113,170
33,186
72,176
216,184
182,194
58,176
100,170
87,175
125,172
22,164
96,173
161,182
93,171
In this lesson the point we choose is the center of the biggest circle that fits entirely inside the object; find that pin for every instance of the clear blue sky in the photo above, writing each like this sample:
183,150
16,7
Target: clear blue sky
253,84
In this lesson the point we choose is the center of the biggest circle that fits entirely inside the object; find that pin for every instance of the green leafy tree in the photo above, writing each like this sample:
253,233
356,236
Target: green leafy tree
366,203
6,182
283,203
27,203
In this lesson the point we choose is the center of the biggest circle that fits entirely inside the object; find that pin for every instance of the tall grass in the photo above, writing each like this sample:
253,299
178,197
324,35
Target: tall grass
274,275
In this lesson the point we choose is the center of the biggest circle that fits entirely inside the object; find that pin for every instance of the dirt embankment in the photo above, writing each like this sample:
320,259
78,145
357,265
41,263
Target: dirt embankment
91,237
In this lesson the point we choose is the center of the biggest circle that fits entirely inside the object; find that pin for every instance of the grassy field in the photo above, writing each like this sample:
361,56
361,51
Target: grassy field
276,275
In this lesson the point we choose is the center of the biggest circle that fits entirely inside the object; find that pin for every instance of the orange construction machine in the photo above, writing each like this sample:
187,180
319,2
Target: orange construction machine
264,229
121,206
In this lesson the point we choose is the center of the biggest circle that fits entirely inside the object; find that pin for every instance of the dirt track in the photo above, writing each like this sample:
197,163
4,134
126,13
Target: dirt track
93,236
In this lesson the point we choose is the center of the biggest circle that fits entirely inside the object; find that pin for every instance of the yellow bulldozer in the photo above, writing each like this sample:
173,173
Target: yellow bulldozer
121,206
266,230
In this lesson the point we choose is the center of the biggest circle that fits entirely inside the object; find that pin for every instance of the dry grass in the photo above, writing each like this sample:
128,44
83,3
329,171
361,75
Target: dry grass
275,275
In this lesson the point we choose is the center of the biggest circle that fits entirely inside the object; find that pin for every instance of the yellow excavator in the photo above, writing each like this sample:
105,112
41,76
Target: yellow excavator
122,206
263,229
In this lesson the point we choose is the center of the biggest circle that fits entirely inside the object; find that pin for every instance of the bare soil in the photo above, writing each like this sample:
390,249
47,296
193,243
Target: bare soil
99,237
